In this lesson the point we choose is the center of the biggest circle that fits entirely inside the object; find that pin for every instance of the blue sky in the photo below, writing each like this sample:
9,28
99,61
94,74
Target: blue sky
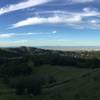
49,22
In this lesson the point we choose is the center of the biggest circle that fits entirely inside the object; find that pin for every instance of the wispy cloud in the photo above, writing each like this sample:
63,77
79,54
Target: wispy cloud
6,35
22,5
74,19
80,1
56,19
54,32
14,35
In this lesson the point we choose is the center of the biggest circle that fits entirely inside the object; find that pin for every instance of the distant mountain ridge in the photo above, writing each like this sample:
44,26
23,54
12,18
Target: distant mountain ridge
18,51
72,48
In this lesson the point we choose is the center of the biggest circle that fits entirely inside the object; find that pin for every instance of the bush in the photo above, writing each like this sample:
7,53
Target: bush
26,85
14,69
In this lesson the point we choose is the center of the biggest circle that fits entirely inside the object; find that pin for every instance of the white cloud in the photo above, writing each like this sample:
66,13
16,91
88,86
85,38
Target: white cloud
29,33
22,5
91,12
14,35
87,9
54,32
80,1
49,20
7,35
36,33
78,20
93,21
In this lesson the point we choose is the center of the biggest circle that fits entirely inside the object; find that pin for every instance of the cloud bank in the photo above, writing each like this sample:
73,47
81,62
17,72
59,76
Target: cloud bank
88,16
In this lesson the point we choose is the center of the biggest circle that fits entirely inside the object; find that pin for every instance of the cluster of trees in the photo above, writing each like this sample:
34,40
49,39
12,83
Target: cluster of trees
38,57
64,60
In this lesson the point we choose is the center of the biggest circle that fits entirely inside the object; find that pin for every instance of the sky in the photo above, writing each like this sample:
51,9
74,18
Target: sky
49,23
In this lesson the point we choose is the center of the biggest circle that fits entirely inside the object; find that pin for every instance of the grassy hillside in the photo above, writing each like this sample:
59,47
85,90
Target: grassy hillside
65,75
71,84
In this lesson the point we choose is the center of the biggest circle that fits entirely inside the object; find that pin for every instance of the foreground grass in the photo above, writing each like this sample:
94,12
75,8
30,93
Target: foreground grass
72,84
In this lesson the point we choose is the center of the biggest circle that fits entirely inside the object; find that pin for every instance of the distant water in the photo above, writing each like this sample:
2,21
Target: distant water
72,48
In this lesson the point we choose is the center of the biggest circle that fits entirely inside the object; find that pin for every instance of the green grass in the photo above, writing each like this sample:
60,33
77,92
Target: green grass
61,73
81,85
